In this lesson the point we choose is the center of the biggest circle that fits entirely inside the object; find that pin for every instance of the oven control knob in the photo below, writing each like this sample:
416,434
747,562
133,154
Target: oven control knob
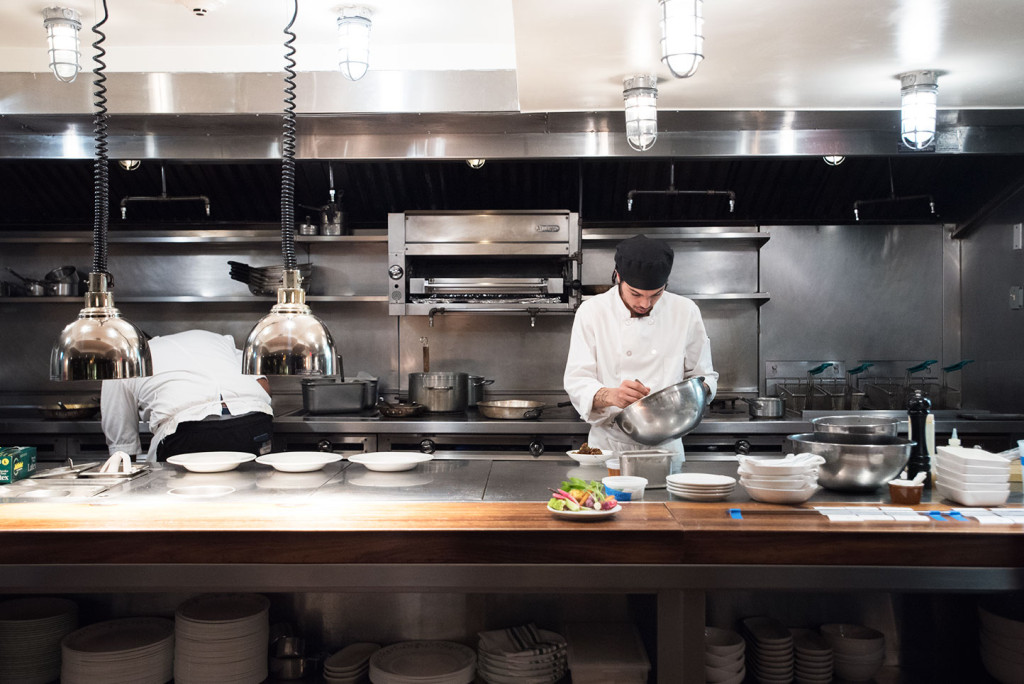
396,272
536,448
742,446
427,446
324,445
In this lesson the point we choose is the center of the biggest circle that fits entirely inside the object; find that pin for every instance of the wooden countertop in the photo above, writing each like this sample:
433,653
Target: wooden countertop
653,533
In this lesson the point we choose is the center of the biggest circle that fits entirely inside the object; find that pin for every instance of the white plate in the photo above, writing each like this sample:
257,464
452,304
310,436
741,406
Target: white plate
390,461
586,514
423,660
695,480
211,461
299,461
590,459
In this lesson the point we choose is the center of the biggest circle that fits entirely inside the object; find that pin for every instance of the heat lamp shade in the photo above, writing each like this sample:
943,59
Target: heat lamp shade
100,345
354,25
682,36
62,26
641,102
919,96
289,341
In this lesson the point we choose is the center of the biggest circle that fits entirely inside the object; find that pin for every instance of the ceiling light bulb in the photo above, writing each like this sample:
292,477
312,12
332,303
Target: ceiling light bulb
641,95
62,26
919,94
834,159
476,163
682,36
354,42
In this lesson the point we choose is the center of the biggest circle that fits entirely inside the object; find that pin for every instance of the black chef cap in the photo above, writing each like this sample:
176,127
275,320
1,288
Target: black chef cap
643,262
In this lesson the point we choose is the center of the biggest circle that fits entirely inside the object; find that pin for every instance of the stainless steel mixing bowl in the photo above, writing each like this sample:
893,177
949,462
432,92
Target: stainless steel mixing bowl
852,467
665,414
859,426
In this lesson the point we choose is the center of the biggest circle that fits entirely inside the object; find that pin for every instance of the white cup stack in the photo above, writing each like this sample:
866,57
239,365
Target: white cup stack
858,651
971,477
724,656
791,479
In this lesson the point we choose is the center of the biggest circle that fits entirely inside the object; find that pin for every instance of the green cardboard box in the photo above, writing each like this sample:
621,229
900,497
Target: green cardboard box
16,463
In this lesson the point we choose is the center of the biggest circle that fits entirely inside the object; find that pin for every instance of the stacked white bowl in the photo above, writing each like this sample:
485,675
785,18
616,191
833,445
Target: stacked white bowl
700,486
814,658
857,651
724,656
971,477
769,650
350,665
791,479
1002,646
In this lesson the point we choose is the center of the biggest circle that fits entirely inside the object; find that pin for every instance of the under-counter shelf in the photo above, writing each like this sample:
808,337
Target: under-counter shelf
219,236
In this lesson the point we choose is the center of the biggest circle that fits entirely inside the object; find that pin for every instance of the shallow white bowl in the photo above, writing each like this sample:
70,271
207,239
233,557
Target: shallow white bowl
780,496
852,640
733,662
790,464
590,459
390,461
966,457
211,461
299,461
972,477
700,480
974,487
971,498
781,482
723,642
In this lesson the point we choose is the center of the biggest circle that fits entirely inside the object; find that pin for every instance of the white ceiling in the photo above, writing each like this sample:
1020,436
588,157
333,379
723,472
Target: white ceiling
571,55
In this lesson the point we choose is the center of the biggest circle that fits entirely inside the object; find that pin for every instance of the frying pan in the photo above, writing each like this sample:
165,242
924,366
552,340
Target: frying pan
400,409
63,411
515,409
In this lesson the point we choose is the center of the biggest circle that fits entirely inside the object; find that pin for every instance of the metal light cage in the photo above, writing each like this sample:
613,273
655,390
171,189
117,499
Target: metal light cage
354,25
640,93
62,26
682,36
919,94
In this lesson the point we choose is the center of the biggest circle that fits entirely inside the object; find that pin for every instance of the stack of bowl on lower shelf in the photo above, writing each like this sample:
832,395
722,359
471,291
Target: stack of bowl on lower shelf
724,656
813,656
769,650
861,453
792,479
1002,645
858,651
972,477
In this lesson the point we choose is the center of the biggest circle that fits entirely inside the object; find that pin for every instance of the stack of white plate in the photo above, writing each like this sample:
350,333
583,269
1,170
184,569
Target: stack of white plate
791,479
31,630
221,638
423,662
724,656
1002,646
858,651
814,658
972,477
521,655
126,650
350,665
769,650
700,486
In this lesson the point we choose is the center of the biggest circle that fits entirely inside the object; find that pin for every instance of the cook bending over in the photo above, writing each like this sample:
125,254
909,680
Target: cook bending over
632,340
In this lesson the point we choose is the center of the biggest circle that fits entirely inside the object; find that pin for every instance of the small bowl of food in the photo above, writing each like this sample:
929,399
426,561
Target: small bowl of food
586,455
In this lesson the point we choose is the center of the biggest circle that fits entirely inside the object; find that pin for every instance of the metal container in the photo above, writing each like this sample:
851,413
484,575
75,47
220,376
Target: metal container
850,466
475,389
859,426
440,391
666,414
766,407
334,395
653,464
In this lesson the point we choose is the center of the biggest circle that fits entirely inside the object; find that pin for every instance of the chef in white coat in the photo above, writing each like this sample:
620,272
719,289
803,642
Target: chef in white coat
632,340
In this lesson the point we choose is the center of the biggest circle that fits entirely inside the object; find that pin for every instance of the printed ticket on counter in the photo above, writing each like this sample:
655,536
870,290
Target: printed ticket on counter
871,514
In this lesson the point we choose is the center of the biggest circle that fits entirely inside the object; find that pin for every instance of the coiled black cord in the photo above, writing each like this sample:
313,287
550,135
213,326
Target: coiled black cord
101,171
288,151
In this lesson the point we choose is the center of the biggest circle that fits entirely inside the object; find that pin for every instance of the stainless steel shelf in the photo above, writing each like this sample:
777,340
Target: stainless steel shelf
219,236
194,299
676,234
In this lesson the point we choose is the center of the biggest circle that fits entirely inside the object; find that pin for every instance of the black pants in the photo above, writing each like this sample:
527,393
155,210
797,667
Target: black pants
249,433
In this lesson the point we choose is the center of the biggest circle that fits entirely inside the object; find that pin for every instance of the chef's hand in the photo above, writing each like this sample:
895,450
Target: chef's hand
622,396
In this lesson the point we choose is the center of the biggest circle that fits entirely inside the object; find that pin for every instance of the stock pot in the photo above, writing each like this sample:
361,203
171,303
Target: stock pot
440,391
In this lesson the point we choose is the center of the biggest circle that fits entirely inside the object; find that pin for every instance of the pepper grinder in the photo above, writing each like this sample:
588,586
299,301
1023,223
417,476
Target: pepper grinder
918,410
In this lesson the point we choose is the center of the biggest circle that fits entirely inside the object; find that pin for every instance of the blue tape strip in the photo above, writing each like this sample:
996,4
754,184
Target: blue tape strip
957,515
935,515
735,514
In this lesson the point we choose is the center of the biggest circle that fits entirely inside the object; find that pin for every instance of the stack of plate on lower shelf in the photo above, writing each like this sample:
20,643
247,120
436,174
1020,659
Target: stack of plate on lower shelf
791,479
521,655
122,651
423,662
1002,646
724,656
700,486
264,280
972,477
350,665
221,638
769,650
814,659
858,651
31,630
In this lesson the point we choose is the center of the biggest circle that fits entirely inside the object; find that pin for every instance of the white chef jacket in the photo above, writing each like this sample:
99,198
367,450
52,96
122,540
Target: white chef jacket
608,345
195,374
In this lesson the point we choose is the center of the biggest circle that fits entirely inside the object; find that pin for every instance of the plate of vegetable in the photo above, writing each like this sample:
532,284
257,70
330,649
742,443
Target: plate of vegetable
577,499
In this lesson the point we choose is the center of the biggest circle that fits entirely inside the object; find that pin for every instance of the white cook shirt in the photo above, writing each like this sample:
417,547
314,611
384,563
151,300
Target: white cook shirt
608,345
194,372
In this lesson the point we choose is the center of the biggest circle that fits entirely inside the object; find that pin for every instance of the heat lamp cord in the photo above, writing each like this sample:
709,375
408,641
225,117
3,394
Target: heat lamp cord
101,173
288,151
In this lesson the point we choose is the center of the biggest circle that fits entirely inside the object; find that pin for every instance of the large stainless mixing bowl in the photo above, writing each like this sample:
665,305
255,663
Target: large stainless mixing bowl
858,426
665,414
851,467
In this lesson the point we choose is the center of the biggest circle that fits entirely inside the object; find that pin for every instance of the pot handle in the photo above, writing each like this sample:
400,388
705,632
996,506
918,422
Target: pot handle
484,382
443,389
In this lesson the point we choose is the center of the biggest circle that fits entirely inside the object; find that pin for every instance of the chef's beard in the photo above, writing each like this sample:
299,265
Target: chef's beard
632,312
